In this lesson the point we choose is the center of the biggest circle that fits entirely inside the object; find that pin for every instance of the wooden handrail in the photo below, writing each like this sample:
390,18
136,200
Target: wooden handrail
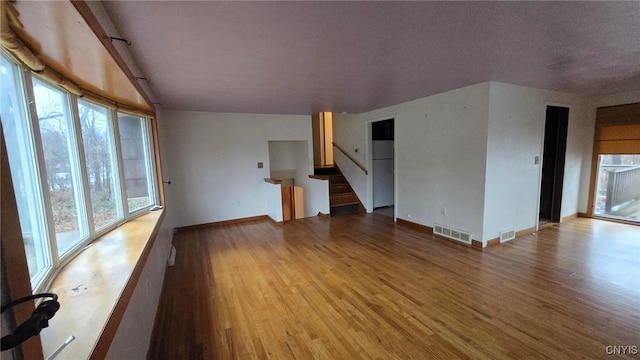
350,158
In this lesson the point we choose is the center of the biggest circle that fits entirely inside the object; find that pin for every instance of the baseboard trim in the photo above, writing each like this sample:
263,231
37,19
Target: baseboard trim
583,215
429,231
493,242
496,241
224,223
525,232
478,244
275,222
547,225
422,228
569,217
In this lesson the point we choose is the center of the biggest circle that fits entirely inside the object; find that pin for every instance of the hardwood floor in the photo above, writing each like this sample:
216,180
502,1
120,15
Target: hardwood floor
359,286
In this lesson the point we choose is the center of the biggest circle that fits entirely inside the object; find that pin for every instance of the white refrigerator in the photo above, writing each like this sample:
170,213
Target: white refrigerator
383,178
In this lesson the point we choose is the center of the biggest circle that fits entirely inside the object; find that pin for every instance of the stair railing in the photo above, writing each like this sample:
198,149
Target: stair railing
623,185
350,158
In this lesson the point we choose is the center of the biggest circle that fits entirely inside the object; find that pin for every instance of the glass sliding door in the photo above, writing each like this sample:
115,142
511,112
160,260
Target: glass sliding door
618,187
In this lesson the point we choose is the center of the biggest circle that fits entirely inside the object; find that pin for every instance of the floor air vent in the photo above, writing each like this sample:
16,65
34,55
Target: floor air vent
507,235
451,233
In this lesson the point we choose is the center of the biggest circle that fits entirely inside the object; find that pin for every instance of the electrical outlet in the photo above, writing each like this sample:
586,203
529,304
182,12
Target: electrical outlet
443,211
536,160
260,165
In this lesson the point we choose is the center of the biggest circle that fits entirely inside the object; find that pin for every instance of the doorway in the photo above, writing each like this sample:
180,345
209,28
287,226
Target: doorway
553,159
322,133
382,140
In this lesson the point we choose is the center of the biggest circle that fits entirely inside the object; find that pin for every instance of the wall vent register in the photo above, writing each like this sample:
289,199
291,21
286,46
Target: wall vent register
451,233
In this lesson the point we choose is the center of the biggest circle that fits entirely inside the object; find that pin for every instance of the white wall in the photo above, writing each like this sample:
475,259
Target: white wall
440,144
316,196
211,160
615,99
132,338
354,175
292,159
316,192
349,132
283,155
516,134
273,197
471,151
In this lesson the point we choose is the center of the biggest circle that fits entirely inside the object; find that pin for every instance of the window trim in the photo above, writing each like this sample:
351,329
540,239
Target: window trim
45,198
26,92
82,166
115,164
150,166
58,260
608,116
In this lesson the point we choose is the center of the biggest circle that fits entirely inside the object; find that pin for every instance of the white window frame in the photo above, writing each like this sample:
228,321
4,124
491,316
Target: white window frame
116,165
150,168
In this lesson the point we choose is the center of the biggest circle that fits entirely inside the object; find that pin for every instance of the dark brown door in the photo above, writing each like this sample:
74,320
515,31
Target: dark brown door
553,158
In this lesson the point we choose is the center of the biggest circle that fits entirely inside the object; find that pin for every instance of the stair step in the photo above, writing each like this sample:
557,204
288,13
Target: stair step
346,209
343,199
339,188
325,170
337,179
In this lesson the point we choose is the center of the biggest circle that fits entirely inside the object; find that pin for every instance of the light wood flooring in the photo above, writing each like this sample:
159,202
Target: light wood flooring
361,287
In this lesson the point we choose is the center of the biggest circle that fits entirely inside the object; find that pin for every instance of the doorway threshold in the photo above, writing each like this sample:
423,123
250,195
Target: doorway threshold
386,211
617,219
543,224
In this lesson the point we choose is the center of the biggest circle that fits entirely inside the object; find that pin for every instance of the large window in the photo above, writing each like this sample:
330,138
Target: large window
138,174
618,188
79,169
101,163
615,176
24,170
61,165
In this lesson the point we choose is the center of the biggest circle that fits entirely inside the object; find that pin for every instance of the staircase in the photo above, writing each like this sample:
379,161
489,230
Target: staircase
342,198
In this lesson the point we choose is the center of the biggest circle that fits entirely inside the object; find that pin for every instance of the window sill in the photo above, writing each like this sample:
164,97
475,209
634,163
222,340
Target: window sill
95,287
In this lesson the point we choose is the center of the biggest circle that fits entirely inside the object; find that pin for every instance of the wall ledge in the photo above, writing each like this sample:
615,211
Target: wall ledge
95,288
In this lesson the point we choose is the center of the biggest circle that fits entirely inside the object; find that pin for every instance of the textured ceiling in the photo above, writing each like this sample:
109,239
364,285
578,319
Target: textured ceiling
306,57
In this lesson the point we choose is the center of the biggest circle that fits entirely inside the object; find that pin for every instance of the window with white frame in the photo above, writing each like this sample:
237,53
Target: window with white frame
79,169
137,160
57,135
101,163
